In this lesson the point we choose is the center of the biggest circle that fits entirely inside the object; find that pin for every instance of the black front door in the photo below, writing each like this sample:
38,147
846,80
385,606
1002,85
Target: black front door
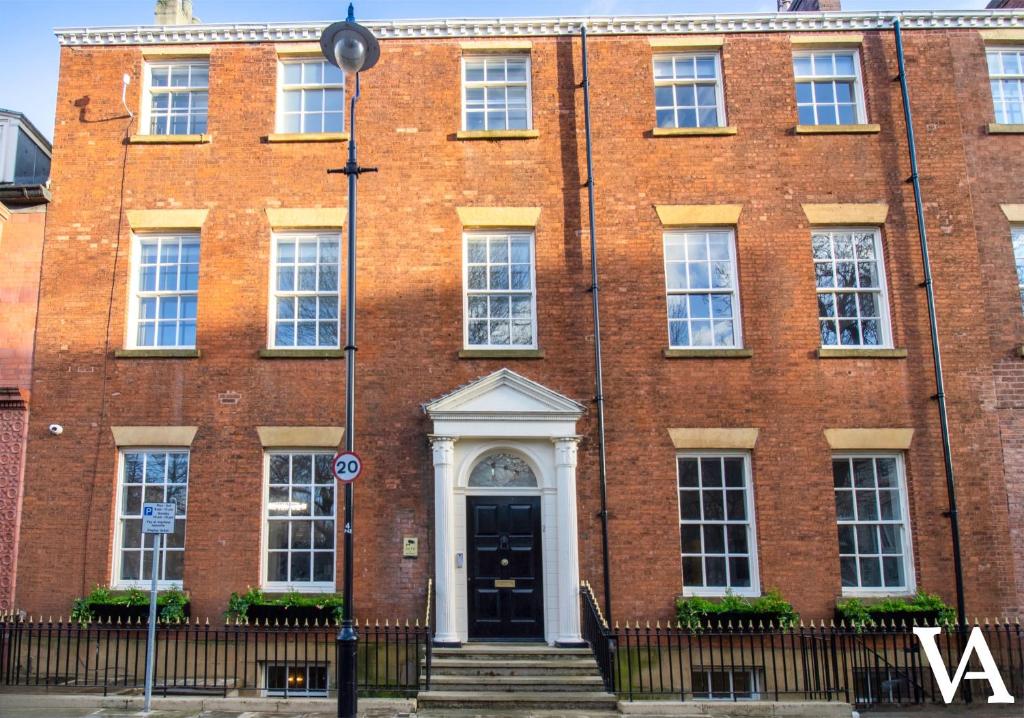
504,567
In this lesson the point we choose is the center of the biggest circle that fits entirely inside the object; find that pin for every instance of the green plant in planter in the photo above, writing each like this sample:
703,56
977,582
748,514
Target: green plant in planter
170,604
859,614
696,612
239,604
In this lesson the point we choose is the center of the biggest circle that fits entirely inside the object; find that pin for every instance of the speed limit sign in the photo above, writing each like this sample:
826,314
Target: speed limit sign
347,466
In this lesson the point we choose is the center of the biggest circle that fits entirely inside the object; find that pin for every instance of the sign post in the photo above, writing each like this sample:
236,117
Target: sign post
157,520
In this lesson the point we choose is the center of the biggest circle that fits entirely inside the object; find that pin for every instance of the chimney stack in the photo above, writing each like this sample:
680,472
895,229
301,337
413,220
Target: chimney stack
174,12
810,6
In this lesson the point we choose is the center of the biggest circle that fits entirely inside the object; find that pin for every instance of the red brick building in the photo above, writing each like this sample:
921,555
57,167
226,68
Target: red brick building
767,356
24,174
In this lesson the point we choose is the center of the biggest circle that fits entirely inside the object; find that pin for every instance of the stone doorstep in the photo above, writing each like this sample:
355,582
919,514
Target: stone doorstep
735,709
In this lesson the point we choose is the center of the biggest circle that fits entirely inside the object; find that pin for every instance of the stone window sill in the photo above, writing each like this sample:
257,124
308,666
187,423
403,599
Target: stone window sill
302,353
169,139
837,129
501,354
157,353
837,353
707,353
496,134
1000,129
309,137
692,131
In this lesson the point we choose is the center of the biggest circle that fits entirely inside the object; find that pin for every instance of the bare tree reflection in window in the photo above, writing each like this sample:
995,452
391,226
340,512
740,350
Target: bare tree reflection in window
502,470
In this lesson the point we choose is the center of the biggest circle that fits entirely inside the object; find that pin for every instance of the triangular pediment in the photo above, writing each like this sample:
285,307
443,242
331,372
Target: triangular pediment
504,392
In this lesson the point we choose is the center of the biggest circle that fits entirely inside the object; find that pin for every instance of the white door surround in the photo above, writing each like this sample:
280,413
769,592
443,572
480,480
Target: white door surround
506,413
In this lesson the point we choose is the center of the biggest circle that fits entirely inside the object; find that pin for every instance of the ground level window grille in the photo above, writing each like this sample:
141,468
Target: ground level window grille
296,680
725,684
882,685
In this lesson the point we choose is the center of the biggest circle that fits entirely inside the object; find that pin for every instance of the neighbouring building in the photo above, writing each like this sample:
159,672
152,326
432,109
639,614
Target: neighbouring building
768,373
24,195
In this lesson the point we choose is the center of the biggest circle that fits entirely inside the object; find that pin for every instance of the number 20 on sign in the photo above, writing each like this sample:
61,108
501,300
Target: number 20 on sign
347,466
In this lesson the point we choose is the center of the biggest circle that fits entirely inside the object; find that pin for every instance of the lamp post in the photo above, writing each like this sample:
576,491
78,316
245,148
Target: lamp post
352,48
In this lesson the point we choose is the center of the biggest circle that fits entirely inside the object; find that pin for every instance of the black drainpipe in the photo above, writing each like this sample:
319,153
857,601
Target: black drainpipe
940,394
602,459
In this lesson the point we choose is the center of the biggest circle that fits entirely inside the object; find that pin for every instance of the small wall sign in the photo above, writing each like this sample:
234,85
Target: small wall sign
410,547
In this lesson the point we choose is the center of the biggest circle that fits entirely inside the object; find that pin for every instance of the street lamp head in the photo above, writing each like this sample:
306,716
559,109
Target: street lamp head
350,46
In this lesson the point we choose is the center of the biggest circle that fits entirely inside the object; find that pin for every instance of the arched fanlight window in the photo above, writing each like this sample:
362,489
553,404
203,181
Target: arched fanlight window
502,470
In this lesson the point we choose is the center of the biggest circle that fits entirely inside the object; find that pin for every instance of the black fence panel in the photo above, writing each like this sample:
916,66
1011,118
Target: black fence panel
870,665
193,658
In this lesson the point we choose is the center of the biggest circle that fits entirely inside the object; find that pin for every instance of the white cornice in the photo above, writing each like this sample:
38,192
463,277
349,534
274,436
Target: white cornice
540,26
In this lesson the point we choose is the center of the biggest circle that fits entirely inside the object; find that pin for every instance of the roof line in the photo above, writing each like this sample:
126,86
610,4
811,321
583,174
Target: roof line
545,26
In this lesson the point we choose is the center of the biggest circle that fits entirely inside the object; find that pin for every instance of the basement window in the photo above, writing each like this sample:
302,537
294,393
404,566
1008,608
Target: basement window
178,94
296,679
725,684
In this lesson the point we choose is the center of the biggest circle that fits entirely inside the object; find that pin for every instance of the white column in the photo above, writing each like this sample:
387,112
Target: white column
444,538
568,543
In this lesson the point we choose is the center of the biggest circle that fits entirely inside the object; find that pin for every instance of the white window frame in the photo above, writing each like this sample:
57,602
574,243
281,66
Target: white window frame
694,82
858,82
273,293
733,290
509,233
910,586
755,575
884,315
132,324
146,103
116,582
1017,243
755,683
485,83
288,693
279,100
989,51
302,586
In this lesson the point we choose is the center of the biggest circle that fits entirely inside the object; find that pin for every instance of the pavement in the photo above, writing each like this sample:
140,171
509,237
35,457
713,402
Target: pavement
50,705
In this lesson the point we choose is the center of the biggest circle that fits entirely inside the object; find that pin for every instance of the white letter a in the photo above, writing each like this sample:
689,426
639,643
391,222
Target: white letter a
976,643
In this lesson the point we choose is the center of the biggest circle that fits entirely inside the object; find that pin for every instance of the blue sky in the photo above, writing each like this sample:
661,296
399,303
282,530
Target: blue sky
29,53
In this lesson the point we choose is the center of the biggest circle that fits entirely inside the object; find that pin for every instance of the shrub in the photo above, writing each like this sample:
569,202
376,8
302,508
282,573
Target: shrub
170,604
771,607
239,604
859,614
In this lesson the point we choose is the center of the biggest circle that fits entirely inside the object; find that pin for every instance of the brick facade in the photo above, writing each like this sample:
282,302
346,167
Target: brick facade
410,311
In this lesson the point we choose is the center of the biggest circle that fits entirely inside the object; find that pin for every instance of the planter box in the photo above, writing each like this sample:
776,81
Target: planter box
264,613
899,618
104,612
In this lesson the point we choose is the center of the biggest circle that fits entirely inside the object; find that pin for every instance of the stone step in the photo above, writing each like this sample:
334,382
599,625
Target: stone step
517,701
518,667
517,683
500,651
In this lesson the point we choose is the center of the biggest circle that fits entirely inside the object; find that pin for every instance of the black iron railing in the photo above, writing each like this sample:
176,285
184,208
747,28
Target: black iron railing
194,658
823,662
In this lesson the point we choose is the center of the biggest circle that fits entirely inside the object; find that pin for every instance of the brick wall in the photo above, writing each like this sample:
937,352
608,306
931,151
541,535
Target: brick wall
411,305
993,178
